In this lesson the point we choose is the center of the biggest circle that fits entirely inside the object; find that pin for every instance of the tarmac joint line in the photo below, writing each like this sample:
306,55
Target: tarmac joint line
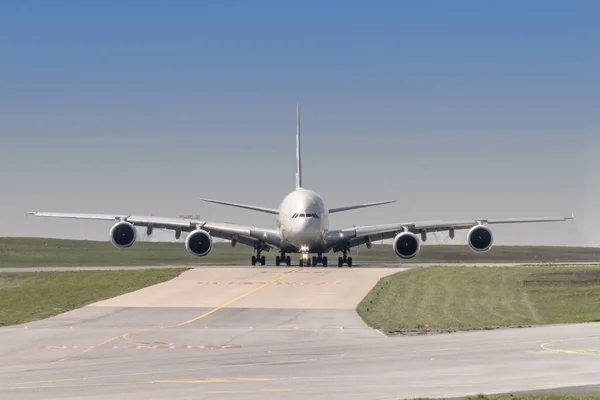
215,380
240,391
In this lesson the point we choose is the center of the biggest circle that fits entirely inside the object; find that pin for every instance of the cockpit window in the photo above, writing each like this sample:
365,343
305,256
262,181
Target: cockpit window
305,215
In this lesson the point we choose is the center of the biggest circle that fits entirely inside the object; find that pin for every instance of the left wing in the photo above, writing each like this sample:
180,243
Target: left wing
247,235
357,206
356,236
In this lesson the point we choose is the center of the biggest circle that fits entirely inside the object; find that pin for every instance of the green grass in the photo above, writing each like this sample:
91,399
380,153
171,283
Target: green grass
466,298
29,252
26,297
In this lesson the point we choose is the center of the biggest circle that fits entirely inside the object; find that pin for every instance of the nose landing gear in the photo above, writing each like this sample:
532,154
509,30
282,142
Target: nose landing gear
313,261
305,260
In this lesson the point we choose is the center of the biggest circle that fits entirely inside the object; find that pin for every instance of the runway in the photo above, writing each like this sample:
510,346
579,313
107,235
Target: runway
257,333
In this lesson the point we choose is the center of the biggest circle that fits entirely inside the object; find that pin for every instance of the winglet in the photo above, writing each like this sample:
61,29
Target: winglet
572,214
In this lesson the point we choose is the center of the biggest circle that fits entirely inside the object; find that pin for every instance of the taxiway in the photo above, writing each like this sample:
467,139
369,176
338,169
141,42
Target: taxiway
267,332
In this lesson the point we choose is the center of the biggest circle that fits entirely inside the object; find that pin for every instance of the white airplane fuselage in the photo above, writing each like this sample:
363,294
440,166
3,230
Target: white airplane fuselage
303,222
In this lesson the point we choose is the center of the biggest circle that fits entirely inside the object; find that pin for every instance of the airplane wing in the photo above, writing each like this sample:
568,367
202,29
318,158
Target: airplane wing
246,206
243,234
357,206
356,236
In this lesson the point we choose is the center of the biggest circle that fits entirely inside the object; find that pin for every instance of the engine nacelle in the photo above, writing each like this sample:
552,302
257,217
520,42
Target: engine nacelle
198,243
123,234
407,245
480,238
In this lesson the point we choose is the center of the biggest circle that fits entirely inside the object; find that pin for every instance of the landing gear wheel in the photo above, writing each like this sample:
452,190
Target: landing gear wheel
277,261
308,262
258,258
301,263
324,261
344,260
314,261
288,261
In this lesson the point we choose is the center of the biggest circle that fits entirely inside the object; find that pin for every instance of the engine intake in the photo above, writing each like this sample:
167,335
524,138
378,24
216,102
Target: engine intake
407,245
480,238
123,234
198,243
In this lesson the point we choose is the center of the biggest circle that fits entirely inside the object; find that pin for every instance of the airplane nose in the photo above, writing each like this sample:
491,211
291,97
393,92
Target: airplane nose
302,225
308,224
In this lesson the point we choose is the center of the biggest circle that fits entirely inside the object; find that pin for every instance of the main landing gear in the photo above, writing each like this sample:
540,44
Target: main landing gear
258,258
344,260
283,259
314,260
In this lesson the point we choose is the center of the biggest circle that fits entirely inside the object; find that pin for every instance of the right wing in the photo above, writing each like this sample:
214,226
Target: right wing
246,206
247,235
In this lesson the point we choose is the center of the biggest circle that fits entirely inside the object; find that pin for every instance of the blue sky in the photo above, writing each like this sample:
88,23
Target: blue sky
456,109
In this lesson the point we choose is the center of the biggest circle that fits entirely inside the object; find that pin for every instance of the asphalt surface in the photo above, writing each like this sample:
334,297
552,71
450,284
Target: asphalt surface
259,333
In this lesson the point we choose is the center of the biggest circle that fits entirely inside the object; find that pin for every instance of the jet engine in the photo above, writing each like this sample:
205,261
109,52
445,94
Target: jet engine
198,243
406,245
123,234
480,238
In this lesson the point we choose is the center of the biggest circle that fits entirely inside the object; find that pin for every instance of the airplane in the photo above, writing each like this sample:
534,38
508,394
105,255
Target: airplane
302,227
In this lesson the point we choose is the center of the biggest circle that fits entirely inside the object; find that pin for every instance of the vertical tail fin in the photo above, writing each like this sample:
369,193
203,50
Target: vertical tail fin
298,156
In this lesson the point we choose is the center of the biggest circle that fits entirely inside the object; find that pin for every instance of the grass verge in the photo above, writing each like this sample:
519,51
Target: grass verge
26,297
444,299
39,252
